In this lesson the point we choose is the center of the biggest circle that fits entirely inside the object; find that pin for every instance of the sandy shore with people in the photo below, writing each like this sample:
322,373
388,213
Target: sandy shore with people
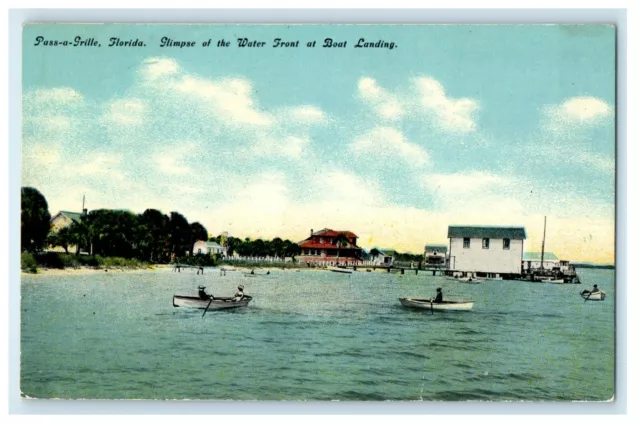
87,270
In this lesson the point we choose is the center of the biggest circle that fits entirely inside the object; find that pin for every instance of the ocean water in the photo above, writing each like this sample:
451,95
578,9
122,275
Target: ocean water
314,335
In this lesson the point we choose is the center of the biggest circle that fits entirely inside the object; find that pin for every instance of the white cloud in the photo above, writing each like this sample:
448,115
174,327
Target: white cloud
386,105
450,114
170,160
59,96
158,67
100,164
575,113
464,182
129,111
381,143
304,115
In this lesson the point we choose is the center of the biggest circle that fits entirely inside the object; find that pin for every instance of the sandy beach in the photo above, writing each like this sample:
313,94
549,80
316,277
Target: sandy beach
86,270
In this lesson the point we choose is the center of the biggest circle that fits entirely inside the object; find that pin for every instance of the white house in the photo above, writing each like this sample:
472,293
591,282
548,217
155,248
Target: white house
64,219
486,249
435,254
208,247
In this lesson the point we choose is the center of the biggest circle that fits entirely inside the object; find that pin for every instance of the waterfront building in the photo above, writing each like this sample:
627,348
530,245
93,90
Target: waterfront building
329,247
383,257
64,219
435,255
486,250
531,263
208,247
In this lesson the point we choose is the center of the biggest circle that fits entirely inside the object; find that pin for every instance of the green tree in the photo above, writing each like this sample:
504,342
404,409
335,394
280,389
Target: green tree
198,233
35,219
63,238
179,234
277,246
341,241
153,235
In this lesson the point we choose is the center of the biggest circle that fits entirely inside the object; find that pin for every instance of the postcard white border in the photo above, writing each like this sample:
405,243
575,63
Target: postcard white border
18,405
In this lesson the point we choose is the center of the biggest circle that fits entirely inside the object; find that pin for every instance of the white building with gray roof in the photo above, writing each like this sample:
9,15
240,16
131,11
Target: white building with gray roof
486,250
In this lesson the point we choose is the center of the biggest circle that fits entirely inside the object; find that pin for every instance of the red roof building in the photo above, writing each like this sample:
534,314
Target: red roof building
322,247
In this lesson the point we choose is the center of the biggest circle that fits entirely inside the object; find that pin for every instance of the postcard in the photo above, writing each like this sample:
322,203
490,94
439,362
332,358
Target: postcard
318,212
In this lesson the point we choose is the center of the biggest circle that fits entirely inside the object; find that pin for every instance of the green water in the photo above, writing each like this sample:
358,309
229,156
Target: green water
314,335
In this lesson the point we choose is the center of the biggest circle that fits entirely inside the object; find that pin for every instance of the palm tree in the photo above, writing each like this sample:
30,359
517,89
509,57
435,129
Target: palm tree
341,241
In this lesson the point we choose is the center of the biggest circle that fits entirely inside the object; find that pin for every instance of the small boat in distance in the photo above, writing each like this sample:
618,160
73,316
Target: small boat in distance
593,296
428,304
549,279
339,269
470,280
217,303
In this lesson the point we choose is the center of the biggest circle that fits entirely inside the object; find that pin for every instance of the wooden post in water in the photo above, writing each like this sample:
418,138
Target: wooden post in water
544,234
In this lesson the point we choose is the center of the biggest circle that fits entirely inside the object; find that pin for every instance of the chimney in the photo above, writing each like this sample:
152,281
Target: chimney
311,234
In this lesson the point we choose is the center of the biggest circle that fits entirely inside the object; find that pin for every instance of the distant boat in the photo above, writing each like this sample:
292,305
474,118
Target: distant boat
218,303
339,269
497,278
471,280
428,304
549,279
595,296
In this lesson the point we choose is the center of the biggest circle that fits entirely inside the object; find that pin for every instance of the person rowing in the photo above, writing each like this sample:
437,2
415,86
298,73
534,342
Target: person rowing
438,296
239,294
595,289
203,294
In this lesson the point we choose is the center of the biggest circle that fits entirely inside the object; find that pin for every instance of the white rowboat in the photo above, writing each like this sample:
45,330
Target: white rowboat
339,269
218,303
596,296
428,304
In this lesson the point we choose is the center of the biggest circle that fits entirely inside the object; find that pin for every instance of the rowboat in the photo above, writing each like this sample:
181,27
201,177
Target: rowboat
596,296
218,303
428,304
339,269
548,279
470,280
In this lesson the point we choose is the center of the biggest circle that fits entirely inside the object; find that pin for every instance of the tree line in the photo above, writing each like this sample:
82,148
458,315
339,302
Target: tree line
276,247
150,236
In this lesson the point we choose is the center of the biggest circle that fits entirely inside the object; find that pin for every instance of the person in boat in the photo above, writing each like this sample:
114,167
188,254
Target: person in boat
239,293
595,289
253,272
438,296
203,294
268,272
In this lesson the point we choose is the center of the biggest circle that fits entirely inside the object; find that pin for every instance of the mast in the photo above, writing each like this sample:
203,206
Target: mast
544,235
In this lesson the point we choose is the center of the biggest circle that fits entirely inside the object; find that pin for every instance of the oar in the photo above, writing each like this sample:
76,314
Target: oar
431,302
205,310
585,300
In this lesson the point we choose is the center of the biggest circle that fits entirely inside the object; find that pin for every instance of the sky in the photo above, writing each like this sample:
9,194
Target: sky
456,125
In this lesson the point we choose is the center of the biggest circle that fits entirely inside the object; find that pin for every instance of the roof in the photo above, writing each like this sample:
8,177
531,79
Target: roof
536,256
327,245
436,247
511,232
70,215
211,244
331,232
388,252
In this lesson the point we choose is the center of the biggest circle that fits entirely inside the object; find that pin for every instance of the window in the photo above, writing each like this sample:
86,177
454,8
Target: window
485,242
466,242
506,243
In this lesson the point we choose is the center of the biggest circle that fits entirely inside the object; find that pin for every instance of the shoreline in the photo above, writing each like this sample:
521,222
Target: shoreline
88,270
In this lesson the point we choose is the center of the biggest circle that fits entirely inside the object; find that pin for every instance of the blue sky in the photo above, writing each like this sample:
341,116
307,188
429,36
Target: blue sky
459,124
